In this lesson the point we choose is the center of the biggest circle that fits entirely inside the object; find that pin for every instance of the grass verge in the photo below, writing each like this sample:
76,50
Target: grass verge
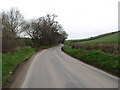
11,60
96,58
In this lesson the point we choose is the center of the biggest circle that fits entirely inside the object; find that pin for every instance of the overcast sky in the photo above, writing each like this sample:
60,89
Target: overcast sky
79,18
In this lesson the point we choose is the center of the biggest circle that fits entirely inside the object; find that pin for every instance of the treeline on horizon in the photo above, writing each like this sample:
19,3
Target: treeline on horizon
43,31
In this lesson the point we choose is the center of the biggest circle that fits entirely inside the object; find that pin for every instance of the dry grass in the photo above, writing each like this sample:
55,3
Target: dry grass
109,47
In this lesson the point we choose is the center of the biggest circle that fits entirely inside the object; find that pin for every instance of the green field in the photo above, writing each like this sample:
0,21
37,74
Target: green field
107,37
85,50
11,60
110,38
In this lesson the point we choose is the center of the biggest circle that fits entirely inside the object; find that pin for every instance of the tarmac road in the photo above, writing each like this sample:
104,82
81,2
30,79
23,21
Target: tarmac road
52,68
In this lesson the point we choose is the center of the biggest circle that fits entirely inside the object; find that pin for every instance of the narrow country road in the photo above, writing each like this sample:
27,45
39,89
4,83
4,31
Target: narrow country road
52,68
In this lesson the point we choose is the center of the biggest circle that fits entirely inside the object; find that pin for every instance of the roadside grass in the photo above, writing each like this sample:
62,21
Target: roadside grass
11,60
97,58
70,51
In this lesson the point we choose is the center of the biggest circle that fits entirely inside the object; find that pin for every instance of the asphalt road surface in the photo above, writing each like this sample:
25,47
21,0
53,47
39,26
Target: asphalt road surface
52,68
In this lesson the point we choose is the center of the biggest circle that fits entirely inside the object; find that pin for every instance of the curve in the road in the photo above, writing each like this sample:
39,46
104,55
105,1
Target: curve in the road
52,68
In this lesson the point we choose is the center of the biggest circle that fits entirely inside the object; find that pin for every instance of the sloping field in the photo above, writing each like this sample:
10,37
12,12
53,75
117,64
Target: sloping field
107,37
110,38
101,51
106,42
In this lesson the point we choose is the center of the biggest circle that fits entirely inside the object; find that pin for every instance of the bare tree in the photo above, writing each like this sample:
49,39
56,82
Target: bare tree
43,31
52,35
33,29
11,22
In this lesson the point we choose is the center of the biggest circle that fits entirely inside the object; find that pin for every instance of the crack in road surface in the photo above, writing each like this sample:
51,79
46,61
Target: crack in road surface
52,68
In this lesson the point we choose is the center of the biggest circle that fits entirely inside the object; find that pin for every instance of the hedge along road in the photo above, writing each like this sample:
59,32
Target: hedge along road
52,68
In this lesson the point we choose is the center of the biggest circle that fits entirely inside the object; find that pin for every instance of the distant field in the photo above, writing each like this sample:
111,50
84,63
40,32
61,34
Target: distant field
110,38
107,37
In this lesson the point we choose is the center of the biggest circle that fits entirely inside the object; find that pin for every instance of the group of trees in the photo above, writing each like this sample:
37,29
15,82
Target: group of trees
43,31
11,27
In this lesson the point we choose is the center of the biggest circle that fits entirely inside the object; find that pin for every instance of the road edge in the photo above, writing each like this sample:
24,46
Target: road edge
19,73
94,67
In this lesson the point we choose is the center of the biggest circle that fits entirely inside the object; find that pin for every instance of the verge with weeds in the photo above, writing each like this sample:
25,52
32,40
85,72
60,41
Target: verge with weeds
11,60
100,59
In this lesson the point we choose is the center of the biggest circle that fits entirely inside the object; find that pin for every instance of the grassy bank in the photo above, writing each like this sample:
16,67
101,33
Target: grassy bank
97,58
11,60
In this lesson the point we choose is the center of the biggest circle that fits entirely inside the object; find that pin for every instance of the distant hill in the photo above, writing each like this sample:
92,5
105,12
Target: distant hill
107,37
